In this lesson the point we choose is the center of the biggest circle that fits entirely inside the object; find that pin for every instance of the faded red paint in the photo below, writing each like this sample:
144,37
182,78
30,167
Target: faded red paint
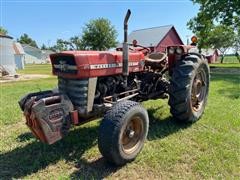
85,59
171,38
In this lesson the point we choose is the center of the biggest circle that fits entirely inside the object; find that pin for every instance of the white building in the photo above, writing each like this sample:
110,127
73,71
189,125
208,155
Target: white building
35,56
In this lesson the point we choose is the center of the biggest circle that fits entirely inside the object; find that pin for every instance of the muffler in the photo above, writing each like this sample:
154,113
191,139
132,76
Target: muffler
125,60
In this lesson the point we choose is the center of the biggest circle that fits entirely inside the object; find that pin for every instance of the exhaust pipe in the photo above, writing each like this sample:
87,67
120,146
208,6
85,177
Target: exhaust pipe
125,48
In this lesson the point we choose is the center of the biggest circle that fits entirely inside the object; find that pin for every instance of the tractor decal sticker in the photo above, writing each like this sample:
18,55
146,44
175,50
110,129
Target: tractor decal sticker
114,65
65,67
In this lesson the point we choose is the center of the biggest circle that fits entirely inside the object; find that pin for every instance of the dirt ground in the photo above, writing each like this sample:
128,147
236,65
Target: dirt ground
24,77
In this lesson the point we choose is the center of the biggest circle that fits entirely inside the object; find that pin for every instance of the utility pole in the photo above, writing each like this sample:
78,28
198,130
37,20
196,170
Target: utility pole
187,36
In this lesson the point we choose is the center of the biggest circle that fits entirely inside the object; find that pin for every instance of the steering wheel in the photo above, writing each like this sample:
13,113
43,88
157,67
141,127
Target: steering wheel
142,48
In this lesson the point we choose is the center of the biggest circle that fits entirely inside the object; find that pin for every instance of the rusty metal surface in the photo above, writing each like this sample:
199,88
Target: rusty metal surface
47,115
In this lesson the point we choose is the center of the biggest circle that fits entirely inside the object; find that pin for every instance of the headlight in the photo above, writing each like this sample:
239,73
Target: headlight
171,50
179,50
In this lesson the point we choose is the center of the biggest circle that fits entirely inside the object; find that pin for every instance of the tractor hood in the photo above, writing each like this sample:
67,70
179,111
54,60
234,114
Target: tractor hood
86,64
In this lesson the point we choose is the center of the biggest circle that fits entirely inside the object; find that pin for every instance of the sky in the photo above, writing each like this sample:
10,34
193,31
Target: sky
46,20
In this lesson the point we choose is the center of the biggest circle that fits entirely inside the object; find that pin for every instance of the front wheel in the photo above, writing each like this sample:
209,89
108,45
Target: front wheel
122,132
189,88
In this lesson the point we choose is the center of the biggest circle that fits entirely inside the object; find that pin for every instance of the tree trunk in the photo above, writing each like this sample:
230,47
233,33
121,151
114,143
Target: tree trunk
222,57
238,57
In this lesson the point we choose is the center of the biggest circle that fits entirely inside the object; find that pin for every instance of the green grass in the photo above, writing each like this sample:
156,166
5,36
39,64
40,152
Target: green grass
226,65
208,149
36,69
229,59
13,91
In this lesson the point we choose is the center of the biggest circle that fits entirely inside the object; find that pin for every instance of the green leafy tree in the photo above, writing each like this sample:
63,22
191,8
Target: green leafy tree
236,45
25,39
213,12
222,37
44,47
223,11
99,34
3,31
61,45
76,43
201,26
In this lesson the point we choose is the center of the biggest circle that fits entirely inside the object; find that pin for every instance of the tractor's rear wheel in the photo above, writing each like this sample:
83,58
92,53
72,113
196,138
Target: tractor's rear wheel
122,132
188,89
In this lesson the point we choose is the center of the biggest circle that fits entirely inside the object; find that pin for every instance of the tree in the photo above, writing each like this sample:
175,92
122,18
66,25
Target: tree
222,37
201,26
61,45
76,43
44,47
25,39
236,45
223,11
213,12
99,34
3,31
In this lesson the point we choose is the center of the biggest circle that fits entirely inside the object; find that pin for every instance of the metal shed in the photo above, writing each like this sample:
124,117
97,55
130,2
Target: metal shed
33,55
7,61
18,55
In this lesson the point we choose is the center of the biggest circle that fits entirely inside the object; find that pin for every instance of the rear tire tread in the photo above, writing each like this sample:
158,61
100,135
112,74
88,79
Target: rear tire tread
180,86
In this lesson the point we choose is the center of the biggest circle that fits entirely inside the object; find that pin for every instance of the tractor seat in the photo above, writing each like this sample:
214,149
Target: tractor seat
156,57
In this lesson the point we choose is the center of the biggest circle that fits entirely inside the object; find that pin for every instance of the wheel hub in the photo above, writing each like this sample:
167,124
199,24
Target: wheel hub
132,135
198,91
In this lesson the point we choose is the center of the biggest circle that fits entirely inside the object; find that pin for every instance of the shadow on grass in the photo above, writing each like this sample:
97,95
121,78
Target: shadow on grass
160,128
33,157
232,93
98,169
36,156
25,137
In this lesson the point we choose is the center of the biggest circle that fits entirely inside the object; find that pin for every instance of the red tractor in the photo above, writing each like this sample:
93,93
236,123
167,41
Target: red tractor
93,84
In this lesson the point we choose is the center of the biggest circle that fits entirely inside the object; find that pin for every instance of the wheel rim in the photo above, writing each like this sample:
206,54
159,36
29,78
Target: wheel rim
132,135
199,89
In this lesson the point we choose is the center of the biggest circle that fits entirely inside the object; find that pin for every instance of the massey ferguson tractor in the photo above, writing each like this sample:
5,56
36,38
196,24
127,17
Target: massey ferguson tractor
111,84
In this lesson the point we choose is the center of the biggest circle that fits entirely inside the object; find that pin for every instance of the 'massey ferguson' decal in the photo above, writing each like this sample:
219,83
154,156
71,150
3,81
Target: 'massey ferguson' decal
65,67
114,65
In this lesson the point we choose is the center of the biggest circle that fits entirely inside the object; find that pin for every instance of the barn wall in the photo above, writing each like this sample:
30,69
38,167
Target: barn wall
170,39
212,58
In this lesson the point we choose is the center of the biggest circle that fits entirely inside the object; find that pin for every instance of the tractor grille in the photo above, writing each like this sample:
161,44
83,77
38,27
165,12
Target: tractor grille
76,90
64,64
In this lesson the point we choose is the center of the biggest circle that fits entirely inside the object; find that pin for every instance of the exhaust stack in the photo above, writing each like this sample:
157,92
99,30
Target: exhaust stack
125,48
